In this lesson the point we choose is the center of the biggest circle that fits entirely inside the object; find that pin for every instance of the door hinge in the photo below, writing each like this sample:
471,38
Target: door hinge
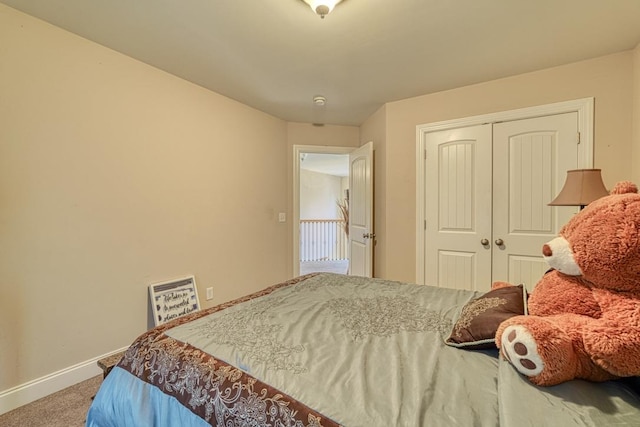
579,138
425,154
425,224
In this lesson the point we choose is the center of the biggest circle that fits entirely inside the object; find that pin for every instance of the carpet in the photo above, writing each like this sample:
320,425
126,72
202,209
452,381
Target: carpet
65,408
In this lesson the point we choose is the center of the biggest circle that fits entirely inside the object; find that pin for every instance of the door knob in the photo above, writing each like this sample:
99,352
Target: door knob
484,242
499,242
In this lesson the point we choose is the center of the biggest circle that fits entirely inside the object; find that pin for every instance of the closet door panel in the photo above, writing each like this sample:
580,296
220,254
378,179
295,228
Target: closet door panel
530,159
458,208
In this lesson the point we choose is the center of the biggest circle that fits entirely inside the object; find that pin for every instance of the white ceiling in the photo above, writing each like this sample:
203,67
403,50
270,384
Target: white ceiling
276,55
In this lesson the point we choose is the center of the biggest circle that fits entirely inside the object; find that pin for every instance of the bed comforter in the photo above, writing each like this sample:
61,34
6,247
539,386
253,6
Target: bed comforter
334,350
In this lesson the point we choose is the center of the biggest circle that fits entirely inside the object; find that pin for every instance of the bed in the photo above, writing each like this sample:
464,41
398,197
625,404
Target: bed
335,350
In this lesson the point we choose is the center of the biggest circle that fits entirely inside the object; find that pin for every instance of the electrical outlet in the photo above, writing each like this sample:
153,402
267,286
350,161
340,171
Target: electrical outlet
209,293
282,217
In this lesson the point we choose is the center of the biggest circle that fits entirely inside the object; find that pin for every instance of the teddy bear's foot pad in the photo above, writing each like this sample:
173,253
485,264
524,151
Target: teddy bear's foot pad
519,347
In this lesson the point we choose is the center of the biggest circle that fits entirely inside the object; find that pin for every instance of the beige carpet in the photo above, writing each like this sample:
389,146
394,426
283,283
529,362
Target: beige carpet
66,408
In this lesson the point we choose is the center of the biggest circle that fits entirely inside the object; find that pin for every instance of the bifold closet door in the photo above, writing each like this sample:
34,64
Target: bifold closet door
530,160
458,208
487,189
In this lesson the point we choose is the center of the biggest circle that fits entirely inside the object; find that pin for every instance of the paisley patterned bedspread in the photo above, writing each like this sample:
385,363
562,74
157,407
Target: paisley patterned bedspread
334,350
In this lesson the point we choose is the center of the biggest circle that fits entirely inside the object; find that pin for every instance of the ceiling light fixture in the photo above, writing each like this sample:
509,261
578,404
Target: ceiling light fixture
322,7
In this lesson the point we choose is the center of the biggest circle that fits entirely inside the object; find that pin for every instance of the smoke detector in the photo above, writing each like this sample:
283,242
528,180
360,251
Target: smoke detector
319,100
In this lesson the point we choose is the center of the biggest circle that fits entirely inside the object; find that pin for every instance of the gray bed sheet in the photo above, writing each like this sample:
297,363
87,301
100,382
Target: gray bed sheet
371,352
574,403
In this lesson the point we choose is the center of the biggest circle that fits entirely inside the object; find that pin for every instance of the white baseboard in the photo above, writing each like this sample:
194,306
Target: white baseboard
36,389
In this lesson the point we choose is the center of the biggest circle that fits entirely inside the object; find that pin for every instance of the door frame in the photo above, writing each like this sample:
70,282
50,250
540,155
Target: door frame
297,151
584,107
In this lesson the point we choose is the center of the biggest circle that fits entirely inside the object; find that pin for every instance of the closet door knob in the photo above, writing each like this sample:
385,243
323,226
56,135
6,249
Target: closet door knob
484,242
499,242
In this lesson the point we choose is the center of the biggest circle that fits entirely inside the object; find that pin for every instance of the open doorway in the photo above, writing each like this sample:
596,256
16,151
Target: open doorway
321,206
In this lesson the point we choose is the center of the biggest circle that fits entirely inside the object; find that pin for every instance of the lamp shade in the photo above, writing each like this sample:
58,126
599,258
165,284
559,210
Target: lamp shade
582,187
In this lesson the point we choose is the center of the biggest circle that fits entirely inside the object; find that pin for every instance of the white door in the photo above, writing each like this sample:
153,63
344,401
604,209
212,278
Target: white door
458,207
531,158
361,235
487,189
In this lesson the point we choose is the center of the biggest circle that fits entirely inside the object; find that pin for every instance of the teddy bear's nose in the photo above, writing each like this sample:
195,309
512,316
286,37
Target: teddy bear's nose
546,250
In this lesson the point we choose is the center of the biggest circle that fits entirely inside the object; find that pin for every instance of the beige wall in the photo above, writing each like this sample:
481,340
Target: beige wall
375,129
318,195
636,116
115,175
608,79
327,135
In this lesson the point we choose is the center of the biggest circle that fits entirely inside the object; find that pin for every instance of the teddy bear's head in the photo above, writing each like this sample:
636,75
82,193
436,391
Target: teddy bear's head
602,242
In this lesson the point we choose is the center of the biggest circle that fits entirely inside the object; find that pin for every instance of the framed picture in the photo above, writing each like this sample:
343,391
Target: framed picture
173,299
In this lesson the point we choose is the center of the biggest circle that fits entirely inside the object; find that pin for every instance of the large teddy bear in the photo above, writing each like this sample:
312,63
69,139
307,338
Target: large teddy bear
584,314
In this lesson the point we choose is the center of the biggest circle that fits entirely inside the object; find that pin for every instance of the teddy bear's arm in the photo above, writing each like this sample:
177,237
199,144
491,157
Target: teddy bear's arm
500,285
557,293
613,342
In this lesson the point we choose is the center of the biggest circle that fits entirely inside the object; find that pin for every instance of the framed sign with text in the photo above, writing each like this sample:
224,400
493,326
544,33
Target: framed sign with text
173,299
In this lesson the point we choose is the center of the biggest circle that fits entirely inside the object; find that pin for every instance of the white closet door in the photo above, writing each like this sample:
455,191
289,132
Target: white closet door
458,208
487,189
530,161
